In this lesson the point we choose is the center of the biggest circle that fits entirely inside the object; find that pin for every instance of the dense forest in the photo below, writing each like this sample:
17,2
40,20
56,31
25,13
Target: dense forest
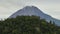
28,25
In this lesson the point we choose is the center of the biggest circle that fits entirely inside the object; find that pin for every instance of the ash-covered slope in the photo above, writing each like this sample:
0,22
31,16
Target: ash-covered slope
32,10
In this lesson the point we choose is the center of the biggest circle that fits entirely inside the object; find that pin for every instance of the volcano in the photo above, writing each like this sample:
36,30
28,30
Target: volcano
32,10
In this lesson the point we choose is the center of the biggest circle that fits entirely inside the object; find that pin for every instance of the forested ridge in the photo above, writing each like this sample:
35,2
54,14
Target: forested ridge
28,25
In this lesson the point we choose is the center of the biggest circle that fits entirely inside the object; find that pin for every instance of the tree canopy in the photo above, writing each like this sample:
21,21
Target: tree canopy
28,25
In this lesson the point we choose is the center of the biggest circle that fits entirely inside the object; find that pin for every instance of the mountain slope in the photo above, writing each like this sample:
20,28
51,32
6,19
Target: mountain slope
32,10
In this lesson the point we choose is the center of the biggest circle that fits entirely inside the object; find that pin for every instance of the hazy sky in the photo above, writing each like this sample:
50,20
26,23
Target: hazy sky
51,7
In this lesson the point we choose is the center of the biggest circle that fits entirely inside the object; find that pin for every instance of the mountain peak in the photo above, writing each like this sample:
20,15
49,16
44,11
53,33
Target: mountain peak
32,10
28,10
30,7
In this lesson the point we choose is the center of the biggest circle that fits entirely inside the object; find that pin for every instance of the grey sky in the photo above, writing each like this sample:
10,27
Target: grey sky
51,7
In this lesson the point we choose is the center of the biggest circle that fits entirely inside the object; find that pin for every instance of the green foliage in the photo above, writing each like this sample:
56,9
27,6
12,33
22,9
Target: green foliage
28,25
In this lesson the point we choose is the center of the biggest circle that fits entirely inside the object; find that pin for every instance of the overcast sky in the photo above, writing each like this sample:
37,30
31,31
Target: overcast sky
51,7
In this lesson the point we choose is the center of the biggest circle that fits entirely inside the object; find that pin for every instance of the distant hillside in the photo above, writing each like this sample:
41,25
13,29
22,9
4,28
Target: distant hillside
28,25
32,10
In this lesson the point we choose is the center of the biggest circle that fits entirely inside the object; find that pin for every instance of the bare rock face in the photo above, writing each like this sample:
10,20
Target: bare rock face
32,10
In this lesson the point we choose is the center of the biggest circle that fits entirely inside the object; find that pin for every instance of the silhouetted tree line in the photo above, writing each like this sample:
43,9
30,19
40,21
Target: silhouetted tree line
28,25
